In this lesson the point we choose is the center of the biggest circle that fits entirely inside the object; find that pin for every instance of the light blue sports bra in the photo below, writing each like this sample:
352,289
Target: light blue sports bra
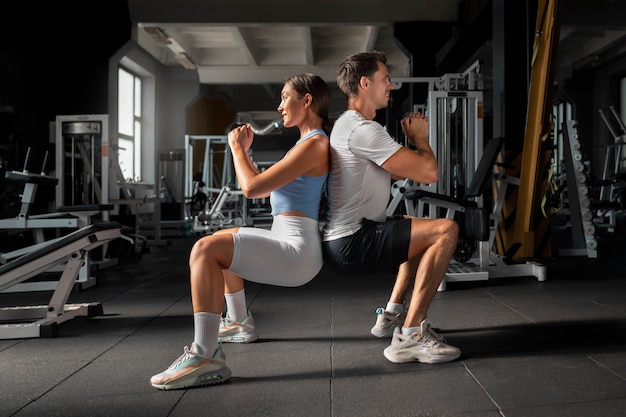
302,194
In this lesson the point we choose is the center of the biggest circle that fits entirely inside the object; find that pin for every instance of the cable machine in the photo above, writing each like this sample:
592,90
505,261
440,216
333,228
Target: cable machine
455,112
82,160
454,109
211,200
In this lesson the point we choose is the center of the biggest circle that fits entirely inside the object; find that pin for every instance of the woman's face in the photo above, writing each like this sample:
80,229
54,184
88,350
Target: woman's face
292,106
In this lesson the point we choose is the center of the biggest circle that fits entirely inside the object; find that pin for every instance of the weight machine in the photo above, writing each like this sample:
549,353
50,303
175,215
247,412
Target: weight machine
211,201
613,182
82,160
583,207
67,217
455,113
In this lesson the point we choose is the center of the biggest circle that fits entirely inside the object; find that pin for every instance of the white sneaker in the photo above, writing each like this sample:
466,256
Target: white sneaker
234,332
386,322
428,347
192,369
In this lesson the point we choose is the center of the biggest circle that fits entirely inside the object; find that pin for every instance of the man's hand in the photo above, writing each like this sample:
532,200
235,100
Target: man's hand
415,127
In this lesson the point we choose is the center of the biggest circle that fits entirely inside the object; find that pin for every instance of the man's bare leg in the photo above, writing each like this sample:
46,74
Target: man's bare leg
404,280
435,241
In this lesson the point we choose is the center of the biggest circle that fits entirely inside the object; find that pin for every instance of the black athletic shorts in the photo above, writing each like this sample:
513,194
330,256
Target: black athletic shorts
375,247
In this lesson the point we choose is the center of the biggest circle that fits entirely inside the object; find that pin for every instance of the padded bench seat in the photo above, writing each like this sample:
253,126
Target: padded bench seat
38,321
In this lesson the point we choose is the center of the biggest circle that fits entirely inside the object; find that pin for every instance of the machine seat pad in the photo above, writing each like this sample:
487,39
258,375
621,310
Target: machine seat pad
85,207
421,194
66,240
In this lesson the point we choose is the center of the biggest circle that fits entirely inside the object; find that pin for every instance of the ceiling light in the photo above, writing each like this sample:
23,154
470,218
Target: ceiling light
185,61
158,35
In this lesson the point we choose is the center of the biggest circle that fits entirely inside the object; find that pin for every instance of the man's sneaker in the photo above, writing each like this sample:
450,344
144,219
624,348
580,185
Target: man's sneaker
192,369
428,347
234,332
386,322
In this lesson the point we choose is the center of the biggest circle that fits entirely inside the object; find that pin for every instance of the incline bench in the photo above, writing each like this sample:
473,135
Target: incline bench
42,321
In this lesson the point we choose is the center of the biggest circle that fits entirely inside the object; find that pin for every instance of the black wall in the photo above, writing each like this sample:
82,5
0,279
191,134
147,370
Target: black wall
54,62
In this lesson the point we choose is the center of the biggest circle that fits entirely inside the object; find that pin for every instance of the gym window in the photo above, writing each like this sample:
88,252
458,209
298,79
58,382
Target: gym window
129,125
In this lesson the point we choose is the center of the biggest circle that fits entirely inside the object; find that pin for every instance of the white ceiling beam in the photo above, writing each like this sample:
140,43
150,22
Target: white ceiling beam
273,74
172,40
371,35
249,54
307,44
260,74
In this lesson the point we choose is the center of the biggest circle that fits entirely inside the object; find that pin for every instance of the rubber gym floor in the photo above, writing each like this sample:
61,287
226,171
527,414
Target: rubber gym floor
552,348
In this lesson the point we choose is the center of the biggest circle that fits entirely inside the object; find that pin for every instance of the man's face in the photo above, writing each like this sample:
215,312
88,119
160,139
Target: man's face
381,86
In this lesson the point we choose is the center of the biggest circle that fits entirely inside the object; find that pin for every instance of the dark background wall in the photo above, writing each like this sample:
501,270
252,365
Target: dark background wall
54,62
59,68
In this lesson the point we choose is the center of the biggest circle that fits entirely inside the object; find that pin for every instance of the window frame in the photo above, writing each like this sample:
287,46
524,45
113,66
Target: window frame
134,135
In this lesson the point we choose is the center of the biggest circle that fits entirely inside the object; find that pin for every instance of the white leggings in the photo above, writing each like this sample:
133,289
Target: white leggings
288,255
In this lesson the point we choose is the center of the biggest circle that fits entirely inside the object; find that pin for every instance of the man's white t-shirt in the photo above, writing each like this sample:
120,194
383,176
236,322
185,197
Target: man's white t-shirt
357,186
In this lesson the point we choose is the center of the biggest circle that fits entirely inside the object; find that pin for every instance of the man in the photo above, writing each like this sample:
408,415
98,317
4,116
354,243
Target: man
358,238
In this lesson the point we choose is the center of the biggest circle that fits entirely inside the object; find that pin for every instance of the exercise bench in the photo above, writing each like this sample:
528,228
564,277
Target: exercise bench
43,320
66,217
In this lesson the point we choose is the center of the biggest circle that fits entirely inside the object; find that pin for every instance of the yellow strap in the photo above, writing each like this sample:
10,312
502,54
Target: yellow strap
552,188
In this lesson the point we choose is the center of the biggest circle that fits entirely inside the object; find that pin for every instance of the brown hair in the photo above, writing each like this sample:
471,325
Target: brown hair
355,66
318,89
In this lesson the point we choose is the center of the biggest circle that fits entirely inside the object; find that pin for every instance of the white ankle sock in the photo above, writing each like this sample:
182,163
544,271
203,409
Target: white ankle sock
394,308
408,331
206,327
236,305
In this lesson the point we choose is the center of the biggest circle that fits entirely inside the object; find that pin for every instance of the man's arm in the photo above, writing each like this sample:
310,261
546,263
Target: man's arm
420,164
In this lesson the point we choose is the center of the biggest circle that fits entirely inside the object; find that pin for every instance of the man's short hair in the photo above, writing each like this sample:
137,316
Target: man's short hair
355,66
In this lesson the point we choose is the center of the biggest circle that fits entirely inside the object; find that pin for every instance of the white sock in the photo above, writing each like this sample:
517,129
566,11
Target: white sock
408,331
206,327
236,305
394,308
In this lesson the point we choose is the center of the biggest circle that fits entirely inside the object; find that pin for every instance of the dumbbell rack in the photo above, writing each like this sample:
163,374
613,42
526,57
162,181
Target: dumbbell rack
580,199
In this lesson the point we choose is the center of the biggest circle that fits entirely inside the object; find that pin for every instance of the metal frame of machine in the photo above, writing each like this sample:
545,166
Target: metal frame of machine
458,140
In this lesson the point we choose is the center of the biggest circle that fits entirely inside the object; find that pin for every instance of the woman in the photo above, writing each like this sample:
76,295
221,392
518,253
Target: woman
287,255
